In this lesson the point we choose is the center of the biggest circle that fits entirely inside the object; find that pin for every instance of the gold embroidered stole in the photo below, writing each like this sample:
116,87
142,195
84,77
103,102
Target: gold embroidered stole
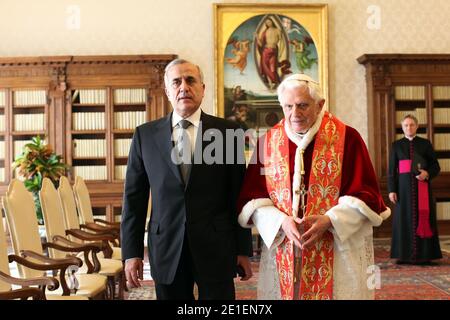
323,193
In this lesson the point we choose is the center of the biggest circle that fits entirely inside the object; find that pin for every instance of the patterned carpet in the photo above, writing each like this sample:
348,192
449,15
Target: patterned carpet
398,282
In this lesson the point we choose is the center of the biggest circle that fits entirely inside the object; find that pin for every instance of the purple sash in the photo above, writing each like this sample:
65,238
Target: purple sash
423,227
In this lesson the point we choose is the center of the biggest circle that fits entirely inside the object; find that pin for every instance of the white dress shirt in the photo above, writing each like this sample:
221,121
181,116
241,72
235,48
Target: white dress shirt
191,131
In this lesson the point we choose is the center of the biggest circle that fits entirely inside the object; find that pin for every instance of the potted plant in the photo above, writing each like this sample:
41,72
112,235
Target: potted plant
36,162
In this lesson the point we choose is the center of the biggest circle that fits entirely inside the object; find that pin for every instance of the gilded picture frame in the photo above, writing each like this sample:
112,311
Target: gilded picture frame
256,46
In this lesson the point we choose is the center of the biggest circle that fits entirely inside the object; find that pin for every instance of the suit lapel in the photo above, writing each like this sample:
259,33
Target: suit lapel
163,139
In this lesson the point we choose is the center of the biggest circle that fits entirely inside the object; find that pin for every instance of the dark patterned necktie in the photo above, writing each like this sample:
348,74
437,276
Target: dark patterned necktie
184,148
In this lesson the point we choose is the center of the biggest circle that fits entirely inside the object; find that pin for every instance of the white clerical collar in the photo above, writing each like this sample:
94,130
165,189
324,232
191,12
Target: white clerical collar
303,140
193,118
301,135
410,139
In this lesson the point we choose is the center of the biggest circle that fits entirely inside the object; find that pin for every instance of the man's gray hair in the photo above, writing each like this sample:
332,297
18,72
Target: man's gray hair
300,80
180,61
412,117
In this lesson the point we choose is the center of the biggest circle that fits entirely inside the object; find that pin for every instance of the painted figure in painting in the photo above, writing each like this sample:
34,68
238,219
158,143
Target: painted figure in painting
302,58
240,51
240,115
271,45
258,55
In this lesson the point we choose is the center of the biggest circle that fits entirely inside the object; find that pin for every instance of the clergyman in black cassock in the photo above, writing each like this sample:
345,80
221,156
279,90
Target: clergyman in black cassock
408,245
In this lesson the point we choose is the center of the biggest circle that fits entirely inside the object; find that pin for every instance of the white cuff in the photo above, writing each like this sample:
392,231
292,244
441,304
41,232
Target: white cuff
346,221
355,203
250,208
268,221
352,220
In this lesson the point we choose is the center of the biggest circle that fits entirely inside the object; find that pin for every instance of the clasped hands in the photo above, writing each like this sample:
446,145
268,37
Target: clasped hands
304,232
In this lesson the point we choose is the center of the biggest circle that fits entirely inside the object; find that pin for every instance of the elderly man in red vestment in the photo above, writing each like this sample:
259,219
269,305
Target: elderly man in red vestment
312,193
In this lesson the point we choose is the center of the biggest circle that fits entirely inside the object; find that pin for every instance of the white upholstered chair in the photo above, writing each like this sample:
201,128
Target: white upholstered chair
56,231
7,281
84,206
69,206
20,213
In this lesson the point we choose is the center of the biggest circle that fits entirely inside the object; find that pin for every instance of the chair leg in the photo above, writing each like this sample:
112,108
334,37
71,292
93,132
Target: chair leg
124,279
120,285
111,287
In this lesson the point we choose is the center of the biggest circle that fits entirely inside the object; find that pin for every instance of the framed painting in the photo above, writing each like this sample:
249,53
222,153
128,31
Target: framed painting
256,46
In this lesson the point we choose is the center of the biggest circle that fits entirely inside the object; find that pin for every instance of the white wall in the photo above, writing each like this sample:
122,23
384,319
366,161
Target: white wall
184,27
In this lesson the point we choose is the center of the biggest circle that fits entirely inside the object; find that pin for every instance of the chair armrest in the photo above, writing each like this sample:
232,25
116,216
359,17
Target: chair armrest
102,230
99,229
108,223
50,282
93,266
23,294
49,264
97,246
54,263
83,235
105,238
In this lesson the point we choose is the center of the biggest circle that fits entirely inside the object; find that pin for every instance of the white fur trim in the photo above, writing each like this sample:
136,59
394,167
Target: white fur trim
386,213
348,225
375,218
249,209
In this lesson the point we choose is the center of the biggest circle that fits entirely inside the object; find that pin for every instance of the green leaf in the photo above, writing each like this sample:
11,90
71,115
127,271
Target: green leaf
37,161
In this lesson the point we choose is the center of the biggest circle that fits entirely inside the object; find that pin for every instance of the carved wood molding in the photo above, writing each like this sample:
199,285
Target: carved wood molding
106,59
410,67
58,85
403,58
381,76
57,68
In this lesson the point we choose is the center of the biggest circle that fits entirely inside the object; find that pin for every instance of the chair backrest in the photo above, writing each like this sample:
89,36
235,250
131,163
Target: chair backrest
22,221
53,214
83,200
68,205
4,264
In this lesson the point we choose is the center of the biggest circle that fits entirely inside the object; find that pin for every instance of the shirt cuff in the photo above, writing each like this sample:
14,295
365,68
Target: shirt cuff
268,221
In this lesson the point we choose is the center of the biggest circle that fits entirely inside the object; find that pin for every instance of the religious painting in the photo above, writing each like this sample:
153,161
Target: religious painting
256,47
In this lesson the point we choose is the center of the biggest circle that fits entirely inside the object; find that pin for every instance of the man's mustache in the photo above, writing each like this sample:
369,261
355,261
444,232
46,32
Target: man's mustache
184,96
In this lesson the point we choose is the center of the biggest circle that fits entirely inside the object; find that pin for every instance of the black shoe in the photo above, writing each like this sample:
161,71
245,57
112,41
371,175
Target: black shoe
402,262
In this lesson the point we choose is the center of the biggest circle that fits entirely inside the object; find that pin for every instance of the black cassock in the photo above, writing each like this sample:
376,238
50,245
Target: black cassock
406,245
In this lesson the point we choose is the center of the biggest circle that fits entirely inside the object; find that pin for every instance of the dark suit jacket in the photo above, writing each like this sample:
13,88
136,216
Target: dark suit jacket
205,208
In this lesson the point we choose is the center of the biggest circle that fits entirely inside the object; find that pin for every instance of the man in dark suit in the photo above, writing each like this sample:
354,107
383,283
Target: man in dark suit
193,234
